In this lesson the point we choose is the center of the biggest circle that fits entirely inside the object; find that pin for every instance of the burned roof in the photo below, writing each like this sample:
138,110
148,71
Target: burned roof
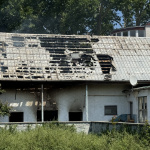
46,57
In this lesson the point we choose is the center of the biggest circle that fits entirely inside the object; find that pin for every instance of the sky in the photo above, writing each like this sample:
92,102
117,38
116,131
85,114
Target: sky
118,26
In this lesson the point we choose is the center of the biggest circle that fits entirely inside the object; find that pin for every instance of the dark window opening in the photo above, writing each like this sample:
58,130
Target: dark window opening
133,33
110,110
125,33
75,116
119,34
141,33
105,63
49,115
16,117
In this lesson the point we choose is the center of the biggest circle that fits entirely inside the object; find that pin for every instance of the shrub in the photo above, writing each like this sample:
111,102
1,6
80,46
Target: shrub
55,136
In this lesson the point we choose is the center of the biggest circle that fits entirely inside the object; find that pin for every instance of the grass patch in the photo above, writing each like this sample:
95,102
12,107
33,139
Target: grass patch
62,137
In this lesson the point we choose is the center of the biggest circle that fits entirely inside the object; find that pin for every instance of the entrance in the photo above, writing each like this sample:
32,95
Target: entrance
142,115
49,115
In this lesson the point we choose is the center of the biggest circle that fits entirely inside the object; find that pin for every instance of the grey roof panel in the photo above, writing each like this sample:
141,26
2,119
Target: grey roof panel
37,57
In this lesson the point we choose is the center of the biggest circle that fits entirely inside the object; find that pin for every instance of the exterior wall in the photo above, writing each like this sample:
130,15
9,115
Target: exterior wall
104,95
133,97
147,30
21,101
70,99
100,95
86,127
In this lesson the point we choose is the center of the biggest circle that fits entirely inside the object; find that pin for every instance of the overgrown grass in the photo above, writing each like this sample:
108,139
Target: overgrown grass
61,137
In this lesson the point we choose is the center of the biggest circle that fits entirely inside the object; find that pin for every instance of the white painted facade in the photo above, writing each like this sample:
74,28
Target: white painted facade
147,30
133,97
21,101
72,99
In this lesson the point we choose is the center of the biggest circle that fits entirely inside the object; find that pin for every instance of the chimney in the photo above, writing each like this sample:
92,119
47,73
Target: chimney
147,30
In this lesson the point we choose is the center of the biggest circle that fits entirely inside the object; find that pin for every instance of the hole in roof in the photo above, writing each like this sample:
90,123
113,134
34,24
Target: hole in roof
106,63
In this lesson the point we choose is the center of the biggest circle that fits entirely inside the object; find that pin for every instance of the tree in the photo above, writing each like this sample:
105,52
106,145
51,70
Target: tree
4,107
134,12
71,16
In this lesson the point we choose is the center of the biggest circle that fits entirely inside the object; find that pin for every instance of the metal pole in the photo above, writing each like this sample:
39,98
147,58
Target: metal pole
42,112
86,103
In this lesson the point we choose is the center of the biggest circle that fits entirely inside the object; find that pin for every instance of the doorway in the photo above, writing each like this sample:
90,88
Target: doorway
142,109
49,115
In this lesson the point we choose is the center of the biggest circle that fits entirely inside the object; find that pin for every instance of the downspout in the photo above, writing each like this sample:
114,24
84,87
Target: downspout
86,103
42,112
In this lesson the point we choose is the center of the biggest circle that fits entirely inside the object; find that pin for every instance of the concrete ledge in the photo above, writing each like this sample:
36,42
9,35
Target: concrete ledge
81,126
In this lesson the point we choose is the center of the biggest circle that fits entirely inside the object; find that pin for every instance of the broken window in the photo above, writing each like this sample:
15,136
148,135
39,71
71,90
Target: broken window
110,110
16,117
106,63
75,116
49,115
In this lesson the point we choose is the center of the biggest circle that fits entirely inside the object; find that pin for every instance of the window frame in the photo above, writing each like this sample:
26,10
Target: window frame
142,109
110,114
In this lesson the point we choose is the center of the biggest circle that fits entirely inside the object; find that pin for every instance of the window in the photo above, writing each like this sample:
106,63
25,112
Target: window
119,34
49,115
16,117
142,109
75,116
132,33
141,33
125,33
111,110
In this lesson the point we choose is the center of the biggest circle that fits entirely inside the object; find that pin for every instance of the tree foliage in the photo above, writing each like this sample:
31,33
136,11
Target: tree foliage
134,12
71,16
4,107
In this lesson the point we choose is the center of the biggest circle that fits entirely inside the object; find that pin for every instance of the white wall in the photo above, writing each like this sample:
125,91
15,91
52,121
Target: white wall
21,101
103,95
147,30
99,95
133,97
71,99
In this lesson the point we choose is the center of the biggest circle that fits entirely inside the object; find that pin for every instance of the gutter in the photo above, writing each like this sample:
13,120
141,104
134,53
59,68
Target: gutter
137,89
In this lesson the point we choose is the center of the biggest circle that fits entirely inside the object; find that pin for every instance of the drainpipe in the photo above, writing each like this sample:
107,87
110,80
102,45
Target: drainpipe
42,112
86,103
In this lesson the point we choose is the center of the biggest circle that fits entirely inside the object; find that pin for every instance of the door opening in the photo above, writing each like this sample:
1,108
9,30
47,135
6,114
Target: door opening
49,115
75,116
142,115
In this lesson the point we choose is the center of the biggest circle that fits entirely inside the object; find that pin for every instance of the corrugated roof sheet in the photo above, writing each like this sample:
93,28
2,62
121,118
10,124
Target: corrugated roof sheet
46,57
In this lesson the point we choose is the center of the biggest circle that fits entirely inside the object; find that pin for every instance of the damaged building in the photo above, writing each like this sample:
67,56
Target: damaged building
75,78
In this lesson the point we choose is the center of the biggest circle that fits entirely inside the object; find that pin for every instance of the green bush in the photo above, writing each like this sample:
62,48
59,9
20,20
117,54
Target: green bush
62,137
